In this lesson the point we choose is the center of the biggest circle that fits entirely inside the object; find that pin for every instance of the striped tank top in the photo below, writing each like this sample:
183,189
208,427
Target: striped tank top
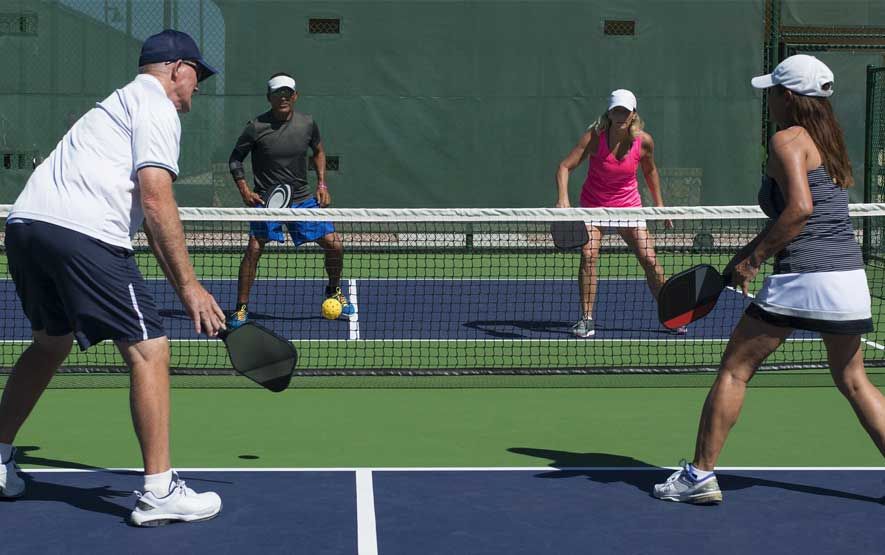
826,243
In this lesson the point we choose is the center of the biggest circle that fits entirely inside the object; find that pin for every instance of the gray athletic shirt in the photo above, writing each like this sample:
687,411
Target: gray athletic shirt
279,152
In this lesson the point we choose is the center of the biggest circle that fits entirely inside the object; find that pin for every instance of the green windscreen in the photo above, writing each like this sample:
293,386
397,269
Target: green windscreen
431,104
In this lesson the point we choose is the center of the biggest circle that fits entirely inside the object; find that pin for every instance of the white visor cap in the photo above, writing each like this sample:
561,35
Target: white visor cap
281,82
622,98
802,74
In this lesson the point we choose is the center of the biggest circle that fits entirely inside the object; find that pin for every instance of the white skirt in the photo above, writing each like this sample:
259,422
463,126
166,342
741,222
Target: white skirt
837,302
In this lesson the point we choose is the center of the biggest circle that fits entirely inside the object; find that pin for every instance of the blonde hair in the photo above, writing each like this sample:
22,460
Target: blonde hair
603,122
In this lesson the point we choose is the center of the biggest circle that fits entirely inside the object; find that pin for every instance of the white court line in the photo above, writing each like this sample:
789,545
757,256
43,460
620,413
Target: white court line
480,469
354,323
367,535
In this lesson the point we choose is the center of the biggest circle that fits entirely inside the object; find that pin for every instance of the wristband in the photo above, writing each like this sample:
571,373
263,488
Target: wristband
322,185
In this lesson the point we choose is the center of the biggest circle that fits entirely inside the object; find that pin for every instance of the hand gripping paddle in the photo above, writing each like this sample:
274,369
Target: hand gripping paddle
261,355
690,295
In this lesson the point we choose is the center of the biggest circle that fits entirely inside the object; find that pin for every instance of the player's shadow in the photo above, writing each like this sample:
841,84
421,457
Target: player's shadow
623,332
174,314
26,456
97,499
604,468
504,329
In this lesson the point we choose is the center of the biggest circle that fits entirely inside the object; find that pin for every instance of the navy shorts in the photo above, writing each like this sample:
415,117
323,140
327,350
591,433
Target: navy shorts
300,232
69,282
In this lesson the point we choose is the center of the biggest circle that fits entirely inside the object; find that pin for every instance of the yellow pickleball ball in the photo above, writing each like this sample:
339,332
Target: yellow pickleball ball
331,309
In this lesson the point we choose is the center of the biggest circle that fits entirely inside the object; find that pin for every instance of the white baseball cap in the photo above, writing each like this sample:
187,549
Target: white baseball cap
802,74
623,98
280,82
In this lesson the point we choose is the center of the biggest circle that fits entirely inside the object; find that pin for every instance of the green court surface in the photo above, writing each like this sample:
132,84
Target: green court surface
404,425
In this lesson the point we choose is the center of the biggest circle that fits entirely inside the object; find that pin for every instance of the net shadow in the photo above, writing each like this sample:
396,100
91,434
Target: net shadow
574,465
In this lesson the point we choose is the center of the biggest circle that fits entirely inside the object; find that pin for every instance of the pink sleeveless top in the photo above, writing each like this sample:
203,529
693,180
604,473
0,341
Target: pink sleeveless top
611,183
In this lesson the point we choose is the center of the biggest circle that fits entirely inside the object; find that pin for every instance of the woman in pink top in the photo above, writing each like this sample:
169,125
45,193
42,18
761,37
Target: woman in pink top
616,146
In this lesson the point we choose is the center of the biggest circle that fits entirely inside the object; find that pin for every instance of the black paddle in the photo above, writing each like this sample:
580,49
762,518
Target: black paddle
261,355
690,295
569,236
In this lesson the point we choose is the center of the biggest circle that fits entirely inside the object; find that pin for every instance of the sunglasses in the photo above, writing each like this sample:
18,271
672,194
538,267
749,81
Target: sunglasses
197,69
283,93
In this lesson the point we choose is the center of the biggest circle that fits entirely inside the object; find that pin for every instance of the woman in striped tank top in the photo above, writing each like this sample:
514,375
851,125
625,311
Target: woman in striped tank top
818,283
616,146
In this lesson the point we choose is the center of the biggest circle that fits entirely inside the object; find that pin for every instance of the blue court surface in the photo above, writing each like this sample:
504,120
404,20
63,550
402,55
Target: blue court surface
459,511
436,309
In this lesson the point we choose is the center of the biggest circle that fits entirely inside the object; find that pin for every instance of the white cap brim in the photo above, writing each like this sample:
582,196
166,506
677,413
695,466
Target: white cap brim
622,98
280,82
762,82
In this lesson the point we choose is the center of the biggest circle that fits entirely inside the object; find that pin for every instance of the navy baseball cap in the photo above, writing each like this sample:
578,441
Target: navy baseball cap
171,45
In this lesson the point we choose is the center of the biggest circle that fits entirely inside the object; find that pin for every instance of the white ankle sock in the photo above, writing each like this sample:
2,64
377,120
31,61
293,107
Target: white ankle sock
158,484
698,474
5,452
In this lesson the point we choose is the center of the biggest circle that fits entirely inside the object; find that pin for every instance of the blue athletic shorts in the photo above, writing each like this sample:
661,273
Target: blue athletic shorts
69,282
300,232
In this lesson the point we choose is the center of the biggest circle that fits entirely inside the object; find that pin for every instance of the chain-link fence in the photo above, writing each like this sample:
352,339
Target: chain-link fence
874,161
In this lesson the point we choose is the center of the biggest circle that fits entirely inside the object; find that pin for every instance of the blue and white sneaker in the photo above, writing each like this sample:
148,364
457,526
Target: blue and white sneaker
347,309
181,504
11,484
584,328
238,317
684,487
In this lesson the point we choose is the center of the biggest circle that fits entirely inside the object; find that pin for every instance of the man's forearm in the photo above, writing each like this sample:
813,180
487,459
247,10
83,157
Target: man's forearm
241,184
161,257
319,161
166,236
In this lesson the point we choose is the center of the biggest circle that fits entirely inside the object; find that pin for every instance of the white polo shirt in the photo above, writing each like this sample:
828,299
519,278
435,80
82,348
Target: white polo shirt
89,183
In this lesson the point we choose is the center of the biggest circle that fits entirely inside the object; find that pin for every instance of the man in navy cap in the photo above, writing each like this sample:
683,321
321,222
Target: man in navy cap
68,244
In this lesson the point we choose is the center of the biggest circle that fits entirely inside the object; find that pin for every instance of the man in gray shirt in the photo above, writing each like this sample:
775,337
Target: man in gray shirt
278,141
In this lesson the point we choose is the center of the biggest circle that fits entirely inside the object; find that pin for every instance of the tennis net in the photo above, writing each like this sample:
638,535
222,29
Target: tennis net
463,291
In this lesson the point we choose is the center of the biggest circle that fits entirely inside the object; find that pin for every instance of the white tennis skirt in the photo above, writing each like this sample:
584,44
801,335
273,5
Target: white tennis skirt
829,302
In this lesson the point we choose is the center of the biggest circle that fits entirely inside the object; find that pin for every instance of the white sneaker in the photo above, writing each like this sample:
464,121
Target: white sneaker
11,485
181,504
584,328
682,487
